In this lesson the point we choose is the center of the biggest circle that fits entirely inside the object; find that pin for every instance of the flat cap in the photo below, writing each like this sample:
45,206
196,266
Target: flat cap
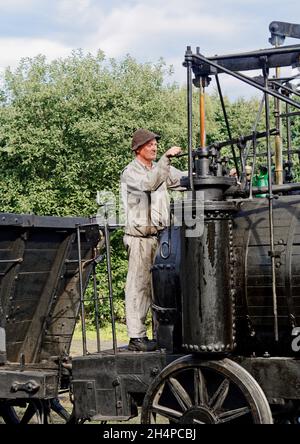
142,136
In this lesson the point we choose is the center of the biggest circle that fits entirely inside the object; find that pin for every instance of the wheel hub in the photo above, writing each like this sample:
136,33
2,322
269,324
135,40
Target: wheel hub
199,414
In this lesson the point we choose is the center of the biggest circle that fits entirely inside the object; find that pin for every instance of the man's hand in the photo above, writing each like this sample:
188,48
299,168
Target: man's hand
174,151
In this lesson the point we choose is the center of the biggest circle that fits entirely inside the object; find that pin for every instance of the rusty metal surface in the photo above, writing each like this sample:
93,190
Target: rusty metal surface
279,376
38,287
29,383
253,274
110,386
207,309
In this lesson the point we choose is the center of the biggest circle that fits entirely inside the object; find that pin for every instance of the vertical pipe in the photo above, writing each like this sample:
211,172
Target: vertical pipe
254,129
270,192
96,307
109,276
202,113
253,166
83,328
278,140
288,138
190,114
227,124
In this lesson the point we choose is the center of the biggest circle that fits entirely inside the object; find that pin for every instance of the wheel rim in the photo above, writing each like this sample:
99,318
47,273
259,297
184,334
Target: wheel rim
23,412
191,391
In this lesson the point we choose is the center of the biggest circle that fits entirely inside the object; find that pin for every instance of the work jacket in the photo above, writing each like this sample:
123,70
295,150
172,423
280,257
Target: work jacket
145,195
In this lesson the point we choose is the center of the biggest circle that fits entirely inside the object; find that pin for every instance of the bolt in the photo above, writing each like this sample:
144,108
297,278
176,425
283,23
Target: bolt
154,371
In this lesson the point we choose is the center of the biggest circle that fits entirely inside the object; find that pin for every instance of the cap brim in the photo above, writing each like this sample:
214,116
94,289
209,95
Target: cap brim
152,136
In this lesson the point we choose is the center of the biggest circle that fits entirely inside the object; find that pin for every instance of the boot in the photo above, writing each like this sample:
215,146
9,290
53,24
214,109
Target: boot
142,344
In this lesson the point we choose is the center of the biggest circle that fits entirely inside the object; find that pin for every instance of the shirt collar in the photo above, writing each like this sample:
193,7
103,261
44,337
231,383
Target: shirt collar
144,166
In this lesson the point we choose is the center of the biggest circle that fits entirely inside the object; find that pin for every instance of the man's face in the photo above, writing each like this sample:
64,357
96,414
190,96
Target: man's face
148,151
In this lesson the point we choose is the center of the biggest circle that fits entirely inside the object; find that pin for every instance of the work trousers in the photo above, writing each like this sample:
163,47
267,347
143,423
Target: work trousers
138,290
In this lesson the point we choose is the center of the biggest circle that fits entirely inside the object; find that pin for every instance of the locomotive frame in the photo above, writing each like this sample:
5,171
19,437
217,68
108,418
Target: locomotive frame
226,301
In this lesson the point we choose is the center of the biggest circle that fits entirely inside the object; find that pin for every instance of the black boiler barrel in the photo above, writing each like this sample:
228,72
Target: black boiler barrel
253,277
207,283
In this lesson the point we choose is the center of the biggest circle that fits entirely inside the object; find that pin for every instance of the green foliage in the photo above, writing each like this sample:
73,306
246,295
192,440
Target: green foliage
119,270
65,128
65,132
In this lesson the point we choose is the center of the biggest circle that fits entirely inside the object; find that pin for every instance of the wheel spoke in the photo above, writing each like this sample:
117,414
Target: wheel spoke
197,421
56,406
153,418
230,415
166,412
220,395
159,393
39,411
200,389
9,415
180,394
29,413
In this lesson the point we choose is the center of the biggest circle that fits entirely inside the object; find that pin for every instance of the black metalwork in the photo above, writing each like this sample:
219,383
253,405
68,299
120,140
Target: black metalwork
262,59
227,124
226,283
190,114
109,277
96,305
281,30
270,197
193,391
83,326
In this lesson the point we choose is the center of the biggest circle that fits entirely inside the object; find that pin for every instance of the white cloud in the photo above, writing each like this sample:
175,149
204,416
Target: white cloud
139,26
13,49
17,5
145,29
77,11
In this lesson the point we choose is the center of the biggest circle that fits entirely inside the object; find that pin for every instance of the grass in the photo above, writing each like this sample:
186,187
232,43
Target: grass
106,333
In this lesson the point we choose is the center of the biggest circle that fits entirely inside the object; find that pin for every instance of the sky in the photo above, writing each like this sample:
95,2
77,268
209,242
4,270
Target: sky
146,29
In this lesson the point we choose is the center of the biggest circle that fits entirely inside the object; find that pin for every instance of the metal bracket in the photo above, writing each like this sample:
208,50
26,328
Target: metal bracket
29,387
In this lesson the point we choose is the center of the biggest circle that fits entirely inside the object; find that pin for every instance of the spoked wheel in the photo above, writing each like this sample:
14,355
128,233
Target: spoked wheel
193,391
33,411
23,412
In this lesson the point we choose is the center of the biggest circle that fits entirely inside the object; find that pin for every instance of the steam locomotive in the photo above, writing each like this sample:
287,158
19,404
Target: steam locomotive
226,291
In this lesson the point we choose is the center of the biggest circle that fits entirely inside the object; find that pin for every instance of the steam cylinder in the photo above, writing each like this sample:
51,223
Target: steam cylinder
206,277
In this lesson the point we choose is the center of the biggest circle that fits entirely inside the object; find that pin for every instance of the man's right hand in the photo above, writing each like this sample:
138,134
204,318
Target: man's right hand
174,151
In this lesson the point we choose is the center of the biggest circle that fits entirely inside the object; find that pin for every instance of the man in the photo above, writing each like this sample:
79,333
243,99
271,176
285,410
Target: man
233,172
146,201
